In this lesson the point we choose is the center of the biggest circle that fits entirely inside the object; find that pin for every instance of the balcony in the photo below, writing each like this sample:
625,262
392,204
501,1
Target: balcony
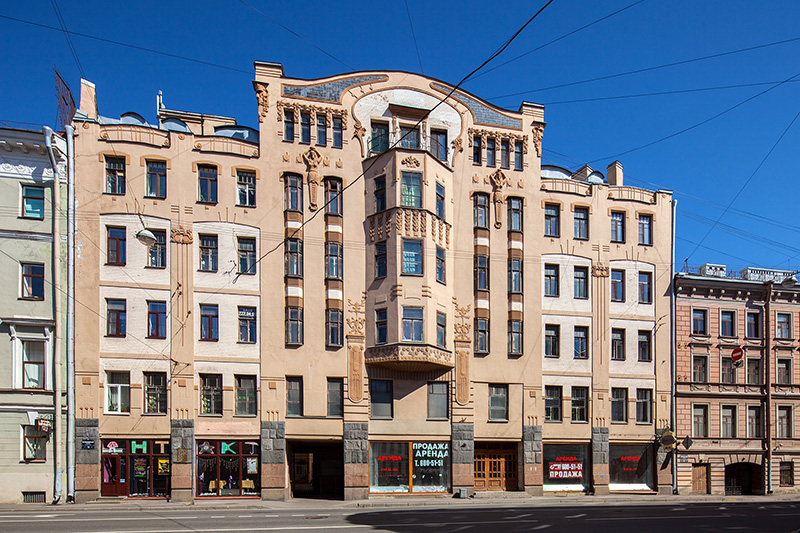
409,357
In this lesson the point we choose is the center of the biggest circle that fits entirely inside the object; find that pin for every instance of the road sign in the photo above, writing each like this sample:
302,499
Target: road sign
737,355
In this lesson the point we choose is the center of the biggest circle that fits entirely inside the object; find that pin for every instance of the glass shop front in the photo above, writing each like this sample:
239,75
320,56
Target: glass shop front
135,468
631,466
409,467
228,468
566,467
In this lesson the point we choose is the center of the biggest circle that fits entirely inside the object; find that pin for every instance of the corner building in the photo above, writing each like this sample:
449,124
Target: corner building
353,300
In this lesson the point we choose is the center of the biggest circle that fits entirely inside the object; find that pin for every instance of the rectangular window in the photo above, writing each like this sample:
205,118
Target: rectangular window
115,175
515,276
477,150
617,344
246,404
156,179
787,473
515,337
491,154
617,227
754,422
322,130
727,371
580,404
646,229
247,255
619,405
727,323
700,420
482,335
33,369
381,326
581,222
515,214
115,254
728,415
552,220
753,325
753,372
409,137
157,320
783,326
380,259
288,125
210,394
115,318
293,196
552,333
334,328
333,260
581,342
381,398
645,346
305,127
245,188
552,404
784,371
333,196
380,194
35,445
293,258
481,273
518,155
439,144
645,287
294,326
247,324
207,181
155,392
644,406
335,397
337,132
699,322
498,402
785,422
379,142
581,282
294,396
33,281
440,265
208,253
411,190
32,202
412,324
480,211
504,156
437,400
412,257
700,368
118,392
551,280
440,200
617,285
209,322
157,253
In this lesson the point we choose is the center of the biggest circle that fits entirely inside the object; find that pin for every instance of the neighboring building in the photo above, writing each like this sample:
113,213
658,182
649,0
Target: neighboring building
301,325
740,416
32,320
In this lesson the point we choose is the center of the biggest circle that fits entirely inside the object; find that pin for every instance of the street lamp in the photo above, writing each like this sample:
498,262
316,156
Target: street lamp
146,237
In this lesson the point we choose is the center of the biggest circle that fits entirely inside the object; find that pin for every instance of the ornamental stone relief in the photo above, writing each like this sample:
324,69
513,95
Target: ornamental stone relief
312,110
411,161
538,133
355,381
499,135
262,97
600,271
312,159
409,353
498,181
462,327
358,310
181,235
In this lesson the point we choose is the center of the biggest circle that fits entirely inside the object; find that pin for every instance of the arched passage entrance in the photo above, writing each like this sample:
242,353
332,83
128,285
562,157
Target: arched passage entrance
744,478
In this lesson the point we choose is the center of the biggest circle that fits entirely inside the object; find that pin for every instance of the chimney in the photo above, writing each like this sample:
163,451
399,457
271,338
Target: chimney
614,174
88,99
266,70
583,174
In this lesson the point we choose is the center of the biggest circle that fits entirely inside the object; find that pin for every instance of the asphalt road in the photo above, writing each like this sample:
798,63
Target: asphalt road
775,517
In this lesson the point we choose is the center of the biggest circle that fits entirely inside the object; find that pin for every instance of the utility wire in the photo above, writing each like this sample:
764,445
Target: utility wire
414,36
67,37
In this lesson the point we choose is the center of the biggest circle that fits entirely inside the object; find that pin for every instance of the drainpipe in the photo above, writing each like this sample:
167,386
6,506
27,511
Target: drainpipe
767,385
70,131
673,354
55,263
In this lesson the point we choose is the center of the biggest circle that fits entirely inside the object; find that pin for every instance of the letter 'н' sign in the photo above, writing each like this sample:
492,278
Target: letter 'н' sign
737,355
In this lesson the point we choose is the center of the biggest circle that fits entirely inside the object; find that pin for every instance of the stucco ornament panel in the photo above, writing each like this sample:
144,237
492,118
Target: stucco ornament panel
181,235
462,326
600,271
358,310
409,357
312,158
498,181
462,377
538,133
262,97
355,380
411,161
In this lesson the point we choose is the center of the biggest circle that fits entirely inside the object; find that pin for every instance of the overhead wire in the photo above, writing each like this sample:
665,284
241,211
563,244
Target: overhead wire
70,44
414,36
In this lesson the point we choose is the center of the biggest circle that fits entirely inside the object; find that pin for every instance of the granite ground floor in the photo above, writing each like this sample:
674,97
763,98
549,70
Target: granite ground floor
737,472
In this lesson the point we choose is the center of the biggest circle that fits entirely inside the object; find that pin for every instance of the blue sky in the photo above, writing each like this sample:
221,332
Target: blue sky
706,166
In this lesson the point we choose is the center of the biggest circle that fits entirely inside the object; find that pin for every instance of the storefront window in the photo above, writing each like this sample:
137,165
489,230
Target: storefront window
566,466
228,468
631,466
410,467
136,468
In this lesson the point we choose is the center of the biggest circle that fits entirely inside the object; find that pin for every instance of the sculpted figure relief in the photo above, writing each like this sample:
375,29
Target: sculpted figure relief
262,96
498,180
312,159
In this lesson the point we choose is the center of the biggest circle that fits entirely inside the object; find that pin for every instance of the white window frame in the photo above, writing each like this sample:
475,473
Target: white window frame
17,354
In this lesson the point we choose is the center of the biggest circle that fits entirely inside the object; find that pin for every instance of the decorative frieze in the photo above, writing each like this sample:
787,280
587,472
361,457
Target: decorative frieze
409,357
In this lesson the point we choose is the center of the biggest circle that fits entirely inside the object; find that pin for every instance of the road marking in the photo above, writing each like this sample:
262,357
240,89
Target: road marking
81,519
658,517
245,516
576,516
218,516
543,526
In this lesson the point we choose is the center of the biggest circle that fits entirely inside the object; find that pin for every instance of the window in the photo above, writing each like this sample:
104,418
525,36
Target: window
210,394
727,371
787,474
409,137
247,255
157,253
334,328
381,326
482,335
646,229
644,406
294,326
645,287
480,211
700,420
246,395
515,214
115,318
207,177
335,397
247,324
552,220
552,404
157,320
380,137
728,421
580,404
245,188
293,199
381,398
441,329
115,175
437,400
517,155
380,259
783,326
784,422
333,196
581,282
293,258
32,202
504,149
753,372
552,332
784,371
491,155
33,369
617,344
515,337
411,192
294,396
581,342
477,149
699,322
116,246
481,272
753,325
551,280
118,392
645,346
156,179
305,127
288,125
700,368
727,323
498,402
515,275
337,132
322,130
617,227
334,260
439,144
619,405
617,285
208,253
440,265
209,322
380,194
581,223
35,445
440,200
32,281
412,324
754,421
412,257
155,392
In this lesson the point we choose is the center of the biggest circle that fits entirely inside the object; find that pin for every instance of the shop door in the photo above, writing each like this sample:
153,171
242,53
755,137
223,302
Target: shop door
496,467
700,478
114,480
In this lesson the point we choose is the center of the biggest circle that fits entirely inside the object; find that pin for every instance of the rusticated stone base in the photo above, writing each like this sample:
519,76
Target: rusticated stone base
356,493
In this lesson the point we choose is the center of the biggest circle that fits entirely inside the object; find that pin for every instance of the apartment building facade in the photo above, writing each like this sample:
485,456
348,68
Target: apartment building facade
380,290
737,393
